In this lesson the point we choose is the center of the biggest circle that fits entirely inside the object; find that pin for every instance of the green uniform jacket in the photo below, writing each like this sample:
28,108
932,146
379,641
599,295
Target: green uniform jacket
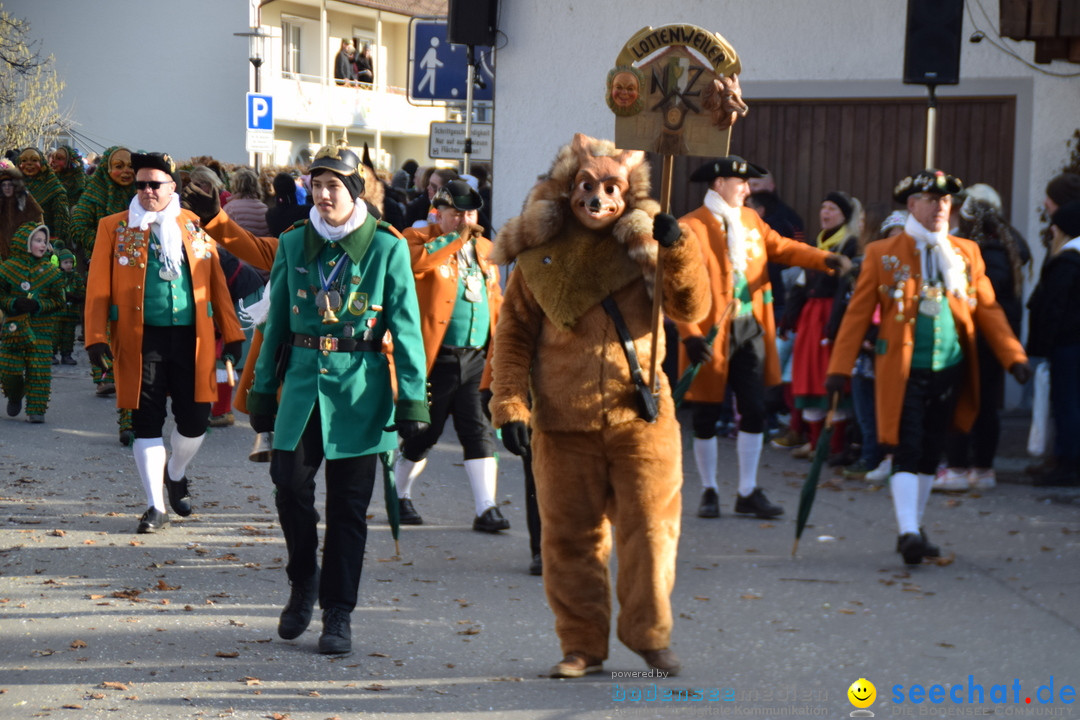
353,389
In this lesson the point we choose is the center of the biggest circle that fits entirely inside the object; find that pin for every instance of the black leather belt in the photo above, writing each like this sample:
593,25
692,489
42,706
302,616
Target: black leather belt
333,344
458,351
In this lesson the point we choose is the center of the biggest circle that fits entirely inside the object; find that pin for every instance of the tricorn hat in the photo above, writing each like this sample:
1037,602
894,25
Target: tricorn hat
930,180
459,195
728,166
336,158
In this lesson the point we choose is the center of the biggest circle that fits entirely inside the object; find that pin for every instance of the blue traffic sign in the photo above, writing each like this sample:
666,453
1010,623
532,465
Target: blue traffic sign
438,70
260,112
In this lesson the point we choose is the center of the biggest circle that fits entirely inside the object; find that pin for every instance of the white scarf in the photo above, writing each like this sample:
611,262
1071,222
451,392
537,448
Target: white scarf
332,233
171,243
938,257
1073,244
736,233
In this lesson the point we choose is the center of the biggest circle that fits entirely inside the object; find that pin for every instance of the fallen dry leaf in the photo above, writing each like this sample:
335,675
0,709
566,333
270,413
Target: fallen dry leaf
76,644
162,585
225,654
108,685
251,681
750,596
57,533
375,687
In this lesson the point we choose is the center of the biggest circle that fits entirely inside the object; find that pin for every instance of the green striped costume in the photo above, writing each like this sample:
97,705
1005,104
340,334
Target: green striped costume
26,341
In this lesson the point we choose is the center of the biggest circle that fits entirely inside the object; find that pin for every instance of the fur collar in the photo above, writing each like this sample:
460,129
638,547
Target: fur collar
590,265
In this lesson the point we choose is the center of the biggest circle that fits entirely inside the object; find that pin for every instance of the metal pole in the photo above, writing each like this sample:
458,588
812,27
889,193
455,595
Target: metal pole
257,63
469,79
931,127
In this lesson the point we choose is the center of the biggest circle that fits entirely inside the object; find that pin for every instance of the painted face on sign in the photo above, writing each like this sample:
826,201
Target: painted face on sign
624,89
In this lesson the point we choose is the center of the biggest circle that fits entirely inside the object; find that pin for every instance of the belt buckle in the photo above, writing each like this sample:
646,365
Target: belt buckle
328,343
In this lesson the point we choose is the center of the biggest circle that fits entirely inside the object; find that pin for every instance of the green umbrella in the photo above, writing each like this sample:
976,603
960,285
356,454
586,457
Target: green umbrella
687,378
809,488
390,493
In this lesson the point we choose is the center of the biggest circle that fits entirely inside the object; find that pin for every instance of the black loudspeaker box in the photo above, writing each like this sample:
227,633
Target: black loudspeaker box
932,49
472,22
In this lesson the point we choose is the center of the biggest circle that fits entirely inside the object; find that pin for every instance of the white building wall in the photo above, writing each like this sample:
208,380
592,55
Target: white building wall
558,53
151,75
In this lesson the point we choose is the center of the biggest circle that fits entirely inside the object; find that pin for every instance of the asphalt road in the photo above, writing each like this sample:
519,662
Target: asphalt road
96,621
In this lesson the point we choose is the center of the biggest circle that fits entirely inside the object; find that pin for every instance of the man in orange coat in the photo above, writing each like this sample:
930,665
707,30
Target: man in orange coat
459,295
156,280
933,291
737,245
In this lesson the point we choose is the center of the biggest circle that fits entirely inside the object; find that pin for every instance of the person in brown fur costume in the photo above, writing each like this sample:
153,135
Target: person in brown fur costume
587,233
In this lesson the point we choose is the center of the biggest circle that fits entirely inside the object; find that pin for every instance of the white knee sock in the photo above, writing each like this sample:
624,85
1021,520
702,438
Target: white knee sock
748,446
405,472
483,476
905,495
705,458
183,452
926,482
150,461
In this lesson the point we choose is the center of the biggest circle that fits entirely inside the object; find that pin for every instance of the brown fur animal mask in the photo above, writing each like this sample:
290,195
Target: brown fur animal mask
556,196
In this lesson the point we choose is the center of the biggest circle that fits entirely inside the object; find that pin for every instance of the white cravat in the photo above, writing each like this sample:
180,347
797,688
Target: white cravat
736,233
335,233
938,257
171,254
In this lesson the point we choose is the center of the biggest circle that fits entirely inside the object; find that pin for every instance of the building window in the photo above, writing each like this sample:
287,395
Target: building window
290,48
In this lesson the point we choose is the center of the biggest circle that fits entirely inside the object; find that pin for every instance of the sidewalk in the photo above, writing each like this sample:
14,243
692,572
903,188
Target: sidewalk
96,621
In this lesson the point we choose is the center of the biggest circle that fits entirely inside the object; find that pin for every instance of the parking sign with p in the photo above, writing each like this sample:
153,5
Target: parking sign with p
260,112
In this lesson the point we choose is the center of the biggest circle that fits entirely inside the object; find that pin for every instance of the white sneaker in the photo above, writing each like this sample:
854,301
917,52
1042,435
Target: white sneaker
983,479
953,480
882,472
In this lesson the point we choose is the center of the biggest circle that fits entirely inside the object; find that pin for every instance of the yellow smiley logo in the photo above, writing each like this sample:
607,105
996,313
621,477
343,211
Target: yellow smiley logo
862,693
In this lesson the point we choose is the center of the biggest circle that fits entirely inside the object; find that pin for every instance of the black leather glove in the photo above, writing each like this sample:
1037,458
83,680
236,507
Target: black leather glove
835,385
204,204
515,436
22,305
840,264
410,428
99,353
1021,371
232,351
666,229
261,423
697,350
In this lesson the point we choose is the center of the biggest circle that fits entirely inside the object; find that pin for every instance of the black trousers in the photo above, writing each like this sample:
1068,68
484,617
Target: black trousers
746,379
349,483
168,370
455,390
926,417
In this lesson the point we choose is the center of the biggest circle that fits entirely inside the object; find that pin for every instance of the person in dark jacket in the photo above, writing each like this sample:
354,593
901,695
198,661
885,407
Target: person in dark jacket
344,69
285,210
1054,333
970,456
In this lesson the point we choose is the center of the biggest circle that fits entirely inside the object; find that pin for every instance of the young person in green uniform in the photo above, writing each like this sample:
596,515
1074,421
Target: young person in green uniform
338,284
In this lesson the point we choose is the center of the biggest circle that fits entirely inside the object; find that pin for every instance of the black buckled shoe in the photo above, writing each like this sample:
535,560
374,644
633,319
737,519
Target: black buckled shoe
407,514
296,616
709,507
179,498
912,548
930,551
152,520
758,505
491,521
336,638
14,407
536,567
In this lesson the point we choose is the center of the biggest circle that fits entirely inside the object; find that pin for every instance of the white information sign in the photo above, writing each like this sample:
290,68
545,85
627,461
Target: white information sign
447,141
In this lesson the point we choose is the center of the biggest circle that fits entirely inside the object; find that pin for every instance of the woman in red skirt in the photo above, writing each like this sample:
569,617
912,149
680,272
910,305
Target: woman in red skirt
810,307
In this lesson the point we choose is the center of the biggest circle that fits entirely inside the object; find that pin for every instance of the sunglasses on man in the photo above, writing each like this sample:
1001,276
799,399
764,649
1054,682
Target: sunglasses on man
152,184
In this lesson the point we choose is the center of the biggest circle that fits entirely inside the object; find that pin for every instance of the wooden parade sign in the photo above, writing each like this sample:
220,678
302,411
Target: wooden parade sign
675,90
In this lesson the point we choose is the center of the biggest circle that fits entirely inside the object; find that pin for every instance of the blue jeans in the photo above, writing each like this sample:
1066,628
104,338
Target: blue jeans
1065,400
862,396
